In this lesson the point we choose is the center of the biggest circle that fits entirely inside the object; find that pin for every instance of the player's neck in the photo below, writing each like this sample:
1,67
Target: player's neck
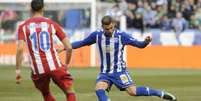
37,14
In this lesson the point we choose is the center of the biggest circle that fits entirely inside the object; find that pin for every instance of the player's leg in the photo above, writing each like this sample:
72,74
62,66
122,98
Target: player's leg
63,79
143,91
42,84
146,91
124,82
102,83
101,86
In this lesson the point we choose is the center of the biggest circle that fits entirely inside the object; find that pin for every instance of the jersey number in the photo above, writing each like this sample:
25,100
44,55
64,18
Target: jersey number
44,41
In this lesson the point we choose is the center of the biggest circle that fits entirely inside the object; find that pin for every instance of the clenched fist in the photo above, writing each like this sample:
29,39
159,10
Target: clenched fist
148,39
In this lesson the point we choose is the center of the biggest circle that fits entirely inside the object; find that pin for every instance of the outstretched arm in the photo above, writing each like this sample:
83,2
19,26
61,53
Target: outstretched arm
19,58
128,40
65,41
68,48
91,39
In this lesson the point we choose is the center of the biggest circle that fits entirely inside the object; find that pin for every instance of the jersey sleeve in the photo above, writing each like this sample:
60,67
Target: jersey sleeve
59,31
20,34
129,40
91,39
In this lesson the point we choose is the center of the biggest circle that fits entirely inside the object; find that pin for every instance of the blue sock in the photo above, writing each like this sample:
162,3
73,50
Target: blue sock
146,91
101,95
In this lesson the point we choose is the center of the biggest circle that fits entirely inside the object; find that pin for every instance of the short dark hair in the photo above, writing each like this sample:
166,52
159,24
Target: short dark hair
37,5
106,20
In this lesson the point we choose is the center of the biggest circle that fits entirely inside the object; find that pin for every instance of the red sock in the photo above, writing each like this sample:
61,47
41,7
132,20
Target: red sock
49,97
71,97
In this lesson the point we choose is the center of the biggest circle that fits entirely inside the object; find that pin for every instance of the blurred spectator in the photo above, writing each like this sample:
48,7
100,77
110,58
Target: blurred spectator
165,23
197,3
130,14
179,23
132,1
187,10
134,16
161,2
107,0
138,21
153,5
193,23
198,14
117,10
149,16
140,6
172,12
177,4
161,11
8,20
199,28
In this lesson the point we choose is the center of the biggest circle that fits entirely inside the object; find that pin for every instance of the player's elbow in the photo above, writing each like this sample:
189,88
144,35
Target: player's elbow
141,47
141,44
19,54
69,49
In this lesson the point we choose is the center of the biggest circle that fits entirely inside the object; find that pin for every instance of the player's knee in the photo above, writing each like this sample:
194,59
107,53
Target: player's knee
101,85
69,90
45,93
132,93
99,88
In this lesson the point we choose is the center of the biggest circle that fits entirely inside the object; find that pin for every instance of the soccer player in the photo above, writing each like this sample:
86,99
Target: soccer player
38,33
111,42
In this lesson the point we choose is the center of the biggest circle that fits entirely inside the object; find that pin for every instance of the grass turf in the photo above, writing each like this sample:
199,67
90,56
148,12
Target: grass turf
184,83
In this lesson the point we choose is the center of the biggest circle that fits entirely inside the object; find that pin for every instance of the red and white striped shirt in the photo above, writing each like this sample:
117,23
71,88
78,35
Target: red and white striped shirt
38,34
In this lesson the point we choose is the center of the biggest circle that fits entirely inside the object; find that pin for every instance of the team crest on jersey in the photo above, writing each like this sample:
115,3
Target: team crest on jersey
124,78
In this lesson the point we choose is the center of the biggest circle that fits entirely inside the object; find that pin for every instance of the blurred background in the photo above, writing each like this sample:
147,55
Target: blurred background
171,62
175,26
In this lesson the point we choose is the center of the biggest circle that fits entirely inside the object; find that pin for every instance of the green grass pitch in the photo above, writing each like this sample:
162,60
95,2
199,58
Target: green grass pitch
184,83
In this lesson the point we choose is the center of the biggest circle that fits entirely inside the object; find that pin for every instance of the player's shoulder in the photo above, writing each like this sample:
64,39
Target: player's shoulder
97,31
21,24
49,20
40,19
119,32
52,22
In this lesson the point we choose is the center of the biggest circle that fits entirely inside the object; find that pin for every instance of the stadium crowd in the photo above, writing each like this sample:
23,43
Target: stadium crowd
164,14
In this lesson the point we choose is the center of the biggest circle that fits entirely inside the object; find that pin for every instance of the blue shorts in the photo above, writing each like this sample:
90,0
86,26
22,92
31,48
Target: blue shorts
121,80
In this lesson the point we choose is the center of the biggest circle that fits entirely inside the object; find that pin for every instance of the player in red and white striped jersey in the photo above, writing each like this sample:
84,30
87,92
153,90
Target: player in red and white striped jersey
38,33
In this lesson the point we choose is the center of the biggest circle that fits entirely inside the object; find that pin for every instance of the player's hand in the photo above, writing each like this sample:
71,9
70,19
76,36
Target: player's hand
18,76
60,50
148,39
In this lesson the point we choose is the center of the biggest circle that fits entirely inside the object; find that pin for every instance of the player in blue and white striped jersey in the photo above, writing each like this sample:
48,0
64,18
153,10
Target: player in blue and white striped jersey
110,43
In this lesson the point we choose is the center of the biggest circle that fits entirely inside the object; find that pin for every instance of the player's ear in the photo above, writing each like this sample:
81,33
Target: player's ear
103,26
114,24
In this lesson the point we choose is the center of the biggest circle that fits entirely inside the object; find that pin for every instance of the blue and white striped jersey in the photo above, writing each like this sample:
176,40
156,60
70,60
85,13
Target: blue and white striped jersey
111,49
